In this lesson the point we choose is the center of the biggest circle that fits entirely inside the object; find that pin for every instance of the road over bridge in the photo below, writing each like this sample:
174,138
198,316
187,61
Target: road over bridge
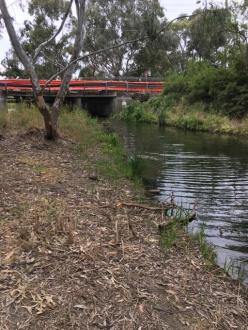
100,97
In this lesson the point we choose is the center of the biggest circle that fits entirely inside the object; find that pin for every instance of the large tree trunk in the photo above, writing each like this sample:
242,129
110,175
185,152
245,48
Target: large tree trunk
50,117
51,126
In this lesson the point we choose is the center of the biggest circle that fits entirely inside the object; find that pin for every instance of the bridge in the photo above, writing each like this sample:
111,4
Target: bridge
100,97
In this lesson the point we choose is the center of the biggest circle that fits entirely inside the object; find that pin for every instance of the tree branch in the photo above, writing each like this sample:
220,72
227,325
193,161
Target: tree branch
78,45
143,38
45,43
25,60
17,45
92,54
56,63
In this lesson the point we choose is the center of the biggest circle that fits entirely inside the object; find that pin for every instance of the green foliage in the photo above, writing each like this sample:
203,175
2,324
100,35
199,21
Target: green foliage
206,249
208,32
139,112
196,116
12,67
169,236
174,230
115,164
222,90
21,117
213,35
176,85
46,16
110,23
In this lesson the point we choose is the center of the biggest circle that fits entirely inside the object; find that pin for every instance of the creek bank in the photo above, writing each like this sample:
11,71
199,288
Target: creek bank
77,254
182,115
202,97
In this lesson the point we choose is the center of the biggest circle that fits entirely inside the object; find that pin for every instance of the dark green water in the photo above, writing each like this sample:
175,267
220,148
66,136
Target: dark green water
206,170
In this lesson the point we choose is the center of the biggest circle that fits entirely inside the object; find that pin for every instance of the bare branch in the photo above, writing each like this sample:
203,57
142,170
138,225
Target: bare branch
78,45
92,54
143,38
24,59
45,43
17,45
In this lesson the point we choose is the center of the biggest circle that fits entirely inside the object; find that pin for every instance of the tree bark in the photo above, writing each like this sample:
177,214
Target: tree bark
78,45
49,117
50,123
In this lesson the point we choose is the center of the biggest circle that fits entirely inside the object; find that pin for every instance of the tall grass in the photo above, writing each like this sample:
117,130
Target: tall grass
206,249
103,150
20,118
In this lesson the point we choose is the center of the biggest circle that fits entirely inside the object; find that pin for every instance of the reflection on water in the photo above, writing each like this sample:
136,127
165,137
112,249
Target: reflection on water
210,171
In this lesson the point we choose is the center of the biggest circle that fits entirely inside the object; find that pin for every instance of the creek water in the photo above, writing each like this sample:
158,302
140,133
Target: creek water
206,170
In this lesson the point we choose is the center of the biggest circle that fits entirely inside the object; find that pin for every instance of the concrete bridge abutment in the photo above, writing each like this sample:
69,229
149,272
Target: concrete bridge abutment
102,106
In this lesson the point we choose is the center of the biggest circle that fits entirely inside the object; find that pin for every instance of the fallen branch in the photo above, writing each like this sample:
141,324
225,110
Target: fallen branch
146,207
171,221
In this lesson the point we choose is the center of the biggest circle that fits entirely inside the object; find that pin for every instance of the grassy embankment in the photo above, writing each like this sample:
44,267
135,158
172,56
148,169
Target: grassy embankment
87,135
204,98
110,162
77,251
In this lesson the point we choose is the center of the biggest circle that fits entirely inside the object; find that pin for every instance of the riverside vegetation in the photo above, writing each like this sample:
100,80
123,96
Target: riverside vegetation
80,249
206,79
203,98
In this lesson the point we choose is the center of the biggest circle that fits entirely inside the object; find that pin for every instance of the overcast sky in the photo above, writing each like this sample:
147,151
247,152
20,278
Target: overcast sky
173,8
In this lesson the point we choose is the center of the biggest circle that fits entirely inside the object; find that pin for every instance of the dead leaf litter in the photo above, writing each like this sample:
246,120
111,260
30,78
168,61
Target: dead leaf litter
73,255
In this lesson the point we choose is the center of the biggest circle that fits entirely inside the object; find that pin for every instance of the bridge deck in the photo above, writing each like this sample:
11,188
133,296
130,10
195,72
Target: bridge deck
82,87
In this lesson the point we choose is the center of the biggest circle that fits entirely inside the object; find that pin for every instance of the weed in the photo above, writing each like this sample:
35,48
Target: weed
235,268
206,249
170,235
175,229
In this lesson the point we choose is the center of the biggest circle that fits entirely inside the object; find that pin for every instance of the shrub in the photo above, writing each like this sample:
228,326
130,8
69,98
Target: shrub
224,90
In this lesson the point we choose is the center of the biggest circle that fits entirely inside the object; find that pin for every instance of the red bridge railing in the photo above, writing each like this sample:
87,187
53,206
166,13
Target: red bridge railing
80,86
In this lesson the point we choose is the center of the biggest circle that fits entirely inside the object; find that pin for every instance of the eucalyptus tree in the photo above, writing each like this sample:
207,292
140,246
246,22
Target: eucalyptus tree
50,113
44,17
113,42
111,22
208,33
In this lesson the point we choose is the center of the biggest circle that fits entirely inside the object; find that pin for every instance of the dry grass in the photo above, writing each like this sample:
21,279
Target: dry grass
73,257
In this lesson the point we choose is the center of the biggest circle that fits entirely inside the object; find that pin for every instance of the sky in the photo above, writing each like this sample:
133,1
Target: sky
173,8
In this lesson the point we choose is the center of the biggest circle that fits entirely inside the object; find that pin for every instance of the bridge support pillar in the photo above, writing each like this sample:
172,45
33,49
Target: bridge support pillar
2,101
77,103
120,103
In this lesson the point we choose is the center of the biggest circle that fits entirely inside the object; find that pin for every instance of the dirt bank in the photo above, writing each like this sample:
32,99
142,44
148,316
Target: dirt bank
72,257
